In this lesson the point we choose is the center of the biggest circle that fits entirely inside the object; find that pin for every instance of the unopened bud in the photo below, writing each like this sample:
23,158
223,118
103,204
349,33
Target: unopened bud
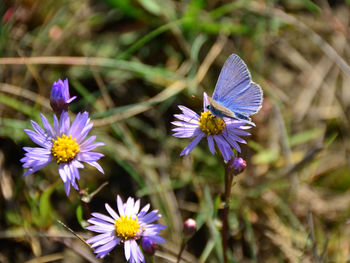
148,246
60,98
237,165
190,227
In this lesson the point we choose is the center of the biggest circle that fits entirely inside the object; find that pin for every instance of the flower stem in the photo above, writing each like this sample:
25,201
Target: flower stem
225,228
84,204
183,246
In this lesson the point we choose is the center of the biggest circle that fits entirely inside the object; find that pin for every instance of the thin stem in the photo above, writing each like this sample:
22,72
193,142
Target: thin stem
313,239
75,234
183,246
225,228
84,204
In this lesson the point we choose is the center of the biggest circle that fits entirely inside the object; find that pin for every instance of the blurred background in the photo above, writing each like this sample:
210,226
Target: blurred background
131,62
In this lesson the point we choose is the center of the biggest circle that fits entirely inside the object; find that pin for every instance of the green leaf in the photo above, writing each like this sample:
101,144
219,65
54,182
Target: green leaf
13,218
13,129
16,104
266,156
127,7
45,209
151,6
304,137
79,215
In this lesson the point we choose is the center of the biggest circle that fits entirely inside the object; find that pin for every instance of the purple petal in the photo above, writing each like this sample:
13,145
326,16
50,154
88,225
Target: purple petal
101,223
185,124
185,118
224,147
64,123
97,166
41,140
47,126
144,210
127,250
205,101
71,99
62,173
98,237
111,212
233,136
103,241
211,144
239,132
36,168
130,205
67,187
56,126
89,156
156,239
77,164
90,147
79,124
136,207
98,229
150,217
136,253
193,144
120,205
231,141
189,113
38,129
88,141
37,150
67,171
103,217
108,247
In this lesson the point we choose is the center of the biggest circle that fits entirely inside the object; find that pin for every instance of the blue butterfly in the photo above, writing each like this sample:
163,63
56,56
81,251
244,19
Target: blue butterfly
235,95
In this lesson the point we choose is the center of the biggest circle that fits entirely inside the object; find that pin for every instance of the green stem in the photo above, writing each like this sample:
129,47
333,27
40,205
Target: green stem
225,227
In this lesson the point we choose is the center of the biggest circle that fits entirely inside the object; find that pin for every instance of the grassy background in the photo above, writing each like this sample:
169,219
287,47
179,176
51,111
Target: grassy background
131,63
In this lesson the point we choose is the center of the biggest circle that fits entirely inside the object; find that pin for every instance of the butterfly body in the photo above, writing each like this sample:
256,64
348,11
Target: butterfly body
235,95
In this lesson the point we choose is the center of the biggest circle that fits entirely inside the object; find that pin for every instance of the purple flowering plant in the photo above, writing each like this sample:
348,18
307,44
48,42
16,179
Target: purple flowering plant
225,117
65,144
224,132
125,227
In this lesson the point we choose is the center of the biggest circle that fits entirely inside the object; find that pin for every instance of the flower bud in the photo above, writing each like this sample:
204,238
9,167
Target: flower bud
60,98
237,165
190,227
148,246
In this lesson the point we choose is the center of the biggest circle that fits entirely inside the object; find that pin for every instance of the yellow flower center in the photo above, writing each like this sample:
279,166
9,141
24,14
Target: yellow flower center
64,148
126,227
210,124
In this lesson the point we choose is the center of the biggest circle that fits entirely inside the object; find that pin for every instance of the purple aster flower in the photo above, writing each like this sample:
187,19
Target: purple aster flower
126,228
60,98
223,131
63,143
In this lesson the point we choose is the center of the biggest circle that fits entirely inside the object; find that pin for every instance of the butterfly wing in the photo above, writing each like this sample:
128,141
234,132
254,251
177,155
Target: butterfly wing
235,89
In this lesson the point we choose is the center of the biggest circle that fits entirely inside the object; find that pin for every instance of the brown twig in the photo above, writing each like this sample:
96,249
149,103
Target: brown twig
27,94
75,234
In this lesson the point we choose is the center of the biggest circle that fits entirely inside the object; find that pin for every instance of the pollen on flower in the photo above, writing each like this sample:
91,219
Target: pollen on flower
126,227
210,124
64,148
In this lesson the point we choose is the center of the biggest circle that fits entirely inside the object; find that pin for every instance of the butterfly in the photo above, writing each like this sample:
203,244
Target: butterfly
235,95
